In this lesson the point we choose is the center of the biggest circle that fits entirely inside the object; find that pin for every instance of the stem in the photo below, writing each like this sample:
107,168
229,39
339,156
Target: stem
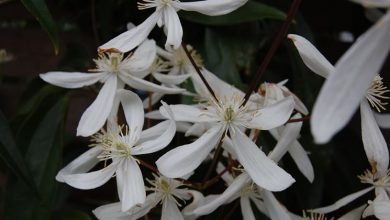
149,166
232,210
299,119
93,21
271,52
184,46
217,155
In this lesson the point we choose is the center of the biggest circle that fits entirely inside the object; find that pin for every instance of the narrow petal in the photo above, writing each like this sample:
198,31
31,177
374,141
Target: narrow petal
90,180
373,141
264,172
159,142
81,164
289,134
134,112
141,84
312,58
274,208
143,57
188,113
246,209
383,120
272,115
197,200
342,202
186,158
133,192
174,29
231,193
301,159
71,80
171,79
133,37
373,3
348,83
97,113
354,214
110,212
140,210
152,99
382,209
170,211
211,7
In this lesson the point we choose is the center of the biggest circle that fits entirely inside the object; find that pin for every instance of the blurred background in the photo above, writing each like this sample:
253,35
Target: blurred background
38,121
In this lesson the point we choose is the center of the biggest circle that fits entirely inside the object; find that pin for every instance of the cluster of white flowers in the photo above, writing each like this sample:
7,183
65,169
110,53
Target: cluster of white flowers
226,126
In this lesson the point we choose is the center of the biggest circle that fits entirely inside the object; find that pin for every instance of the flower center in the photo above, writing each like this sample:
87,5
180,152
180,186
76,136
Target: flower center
229,114
375,180
250,189
110,62
145,4
376,94
181,56
314,216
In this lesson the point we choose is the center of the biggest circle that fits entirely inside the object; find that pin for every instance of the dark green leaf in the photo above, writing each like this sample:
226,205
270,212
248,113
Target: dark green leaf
251,11
40,11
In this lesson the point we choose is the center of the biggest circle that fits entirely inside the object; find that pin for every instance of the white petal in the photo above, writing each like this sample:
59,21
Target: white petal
153,99
382,209
197,200
312,58
81,164
157,143
274,208
260,168
133,192
72,80
186,158
273,115
374,3
110,212
354,214
260,205
383,120
141,84
134,112
97,113
197,129
211,7
174,29
170,211
143,57
230,193
188,113
151,201
133,37
90,180
301,159
343,201
348,83
171,79
155,131
289,134
246,209
373,141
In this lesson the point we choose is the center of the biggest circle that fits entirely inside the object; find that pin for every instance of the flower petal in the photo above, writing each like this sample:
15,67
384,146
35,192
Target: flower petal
289,134
152,99
81,164
301,159
141,84
133,37
246,209
110,212
188,113
343,201
186,158
134,112
173,26
170,211
90,180
373,3
312,58
171,79
143,57
260,168
274,208
133,192
383,120
373,141
354,214
272,115
97,113
231,193
382,209
211,7
348,83
72,80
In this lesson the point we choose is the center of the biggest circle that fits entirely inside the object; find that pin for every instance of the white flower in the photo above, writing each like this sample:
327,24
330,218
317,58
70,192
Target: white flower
121,148
353,78
164,190
165,14
114,71
227,114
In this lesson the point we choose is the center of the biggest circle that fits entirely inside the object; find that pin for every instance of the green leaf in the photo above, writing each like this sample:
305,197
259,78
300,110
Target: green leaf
11,154
40,11
251,11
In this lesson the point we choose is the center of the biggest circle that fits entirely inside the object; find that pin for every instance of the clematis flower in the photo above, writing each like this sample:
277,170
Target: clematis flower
166,191
353,78
114,71
227,115
165,14
120,146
